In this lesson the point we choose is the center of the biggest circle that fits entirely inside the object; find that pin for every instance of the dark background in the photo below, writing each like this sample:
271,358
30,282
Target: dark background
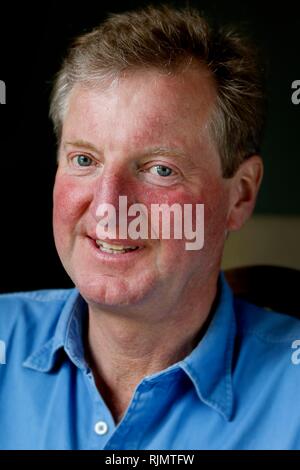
33,39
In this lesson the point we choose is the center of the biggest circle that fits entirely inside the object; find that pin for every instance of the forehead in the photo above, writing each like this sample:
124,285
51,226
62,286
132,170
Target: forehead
143,107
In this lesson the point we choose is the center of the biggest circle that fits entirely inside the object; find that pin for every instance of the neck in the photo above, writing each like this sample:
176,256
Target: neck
124,347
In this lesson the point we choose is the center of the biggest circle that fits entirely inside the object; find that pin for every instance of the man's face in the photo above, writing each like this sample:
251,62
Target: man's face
146,137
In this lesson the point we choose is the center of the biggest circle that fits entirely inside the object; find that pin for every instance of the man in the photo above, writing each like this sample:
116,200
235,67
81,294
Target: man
150,350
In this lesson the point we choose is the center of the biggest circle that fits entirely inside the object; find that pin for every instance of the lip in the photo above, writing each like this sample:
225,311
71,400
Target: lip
118,258
122,242
116,241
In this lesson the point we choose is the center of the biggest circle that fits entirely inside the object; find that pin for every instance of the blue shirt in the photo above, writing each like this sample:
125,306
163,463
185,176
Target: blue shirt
238,389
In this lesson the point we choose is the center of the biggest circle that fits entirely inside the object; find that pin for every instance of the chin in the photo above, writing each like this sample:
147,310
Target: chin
110,291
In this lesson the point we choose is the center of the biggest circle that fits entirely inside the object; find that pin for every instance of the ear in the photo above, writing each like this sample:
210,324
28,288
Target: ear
243,192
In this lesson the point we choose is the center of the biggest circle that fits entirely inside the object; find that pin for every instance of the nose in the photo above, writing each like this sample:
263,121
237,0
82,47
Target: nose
110,185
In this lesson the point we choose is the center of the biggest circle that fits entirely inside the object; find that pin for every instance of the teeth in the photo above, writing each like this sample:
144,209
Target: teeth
110,248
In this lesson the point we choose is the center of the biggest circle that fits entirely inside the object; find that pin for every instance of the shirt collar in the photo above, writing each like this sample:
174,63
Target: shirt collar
68,334
209,366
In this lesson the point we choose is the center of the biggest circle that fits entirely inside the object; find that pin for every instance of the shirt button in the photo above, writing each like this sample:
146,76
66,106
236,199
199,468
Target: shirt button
101,428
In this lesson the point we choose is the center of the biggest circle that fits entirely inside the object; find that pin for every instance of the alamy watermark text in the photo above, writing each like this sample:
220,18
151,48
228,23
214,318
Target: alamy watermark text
2,92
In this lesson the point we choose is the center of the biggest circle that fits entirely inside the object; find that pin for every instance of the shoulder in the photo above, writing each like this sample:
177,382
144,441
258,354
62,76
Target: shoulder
31,317
31,305
269,342
264,324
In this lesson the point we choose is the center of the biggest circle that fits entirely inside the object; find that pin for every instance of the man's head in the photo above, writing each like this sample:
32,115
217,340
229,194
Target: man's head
157,107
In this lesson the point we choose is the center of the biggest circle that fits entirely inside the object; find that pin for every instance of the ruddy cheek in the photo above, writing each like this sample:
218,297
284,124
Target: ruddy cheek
215,216
161,195
166,212
69,201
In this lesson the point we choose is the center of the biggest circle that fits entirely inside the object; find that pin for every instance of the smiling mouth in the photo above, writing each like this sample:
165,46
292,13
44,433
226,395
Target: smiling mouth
115,249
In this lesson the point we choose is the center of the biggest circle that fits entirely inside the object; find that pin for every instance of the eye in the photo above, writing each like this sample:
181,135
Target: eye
161,170
83,160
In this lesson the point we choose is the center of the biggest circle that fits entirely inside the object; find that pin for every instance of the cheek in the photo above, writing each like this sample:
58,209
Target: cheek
213,194
165,198
216,204
70,200
161,195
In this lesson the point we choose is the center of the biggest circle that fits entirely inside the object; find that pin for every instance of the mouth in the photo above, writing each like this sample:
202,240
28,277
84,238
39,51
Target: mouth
116,249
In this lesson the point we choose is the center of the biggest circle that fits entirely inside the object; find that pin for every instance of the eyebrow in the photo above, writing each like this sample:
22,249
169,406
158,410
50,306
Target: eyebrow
165,151
170,152
82,143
